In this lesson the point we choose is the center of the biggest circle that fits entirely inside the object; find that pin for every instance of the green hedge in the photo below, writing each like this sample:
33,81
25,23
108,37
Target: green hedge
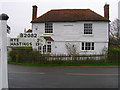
114,54
27,55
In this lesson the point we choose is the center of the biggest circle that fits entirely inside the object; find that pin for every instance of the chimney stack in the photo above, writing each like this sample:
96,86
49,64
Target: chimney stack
34,14
106,11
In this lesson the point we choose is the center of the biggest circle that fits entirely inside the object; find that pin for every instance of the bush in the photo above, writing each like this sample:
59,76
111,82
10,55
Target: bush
25,55
114,54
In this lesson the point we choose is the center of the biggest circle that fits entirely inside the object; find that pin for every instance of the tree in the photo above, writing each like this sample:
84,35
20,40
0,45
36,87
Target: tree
115,33
71,49
115,29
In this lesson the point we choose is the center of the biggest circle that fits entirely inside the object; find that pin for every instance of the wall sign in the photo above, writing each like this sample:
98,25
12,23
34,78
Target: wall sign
28,35
27,39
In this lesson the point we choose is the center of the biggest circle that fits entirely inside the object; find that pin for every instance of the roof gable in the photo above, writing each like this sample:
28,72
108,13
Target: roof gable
69,15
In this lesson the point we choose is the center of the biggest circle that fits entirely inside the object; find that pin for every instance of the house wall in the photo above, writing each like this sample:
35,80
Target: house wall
74,32
60,48
119,9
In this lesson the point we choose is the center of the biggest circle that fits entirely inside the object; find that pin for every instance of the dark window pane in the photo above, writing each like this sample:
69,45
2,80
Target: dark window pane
87,28
44,48
48,28
48,48
82,45
92,45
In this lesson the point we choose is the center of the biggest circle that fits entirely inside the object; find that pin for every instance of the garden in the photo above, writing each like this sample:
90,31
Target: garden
26,56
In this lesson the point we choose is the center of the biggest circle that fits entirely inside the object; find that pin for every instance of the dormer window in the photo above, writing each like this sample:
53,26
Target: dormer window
88,28
48,28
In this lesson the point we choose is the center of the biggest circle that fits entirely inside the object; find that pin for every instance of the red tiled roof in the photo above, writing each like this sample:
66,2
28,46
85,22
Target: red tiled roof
48,38
69,15
29,31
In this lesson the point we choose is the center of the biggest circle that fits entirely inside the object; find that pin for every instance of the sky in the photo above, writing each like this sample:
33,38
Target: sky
20,11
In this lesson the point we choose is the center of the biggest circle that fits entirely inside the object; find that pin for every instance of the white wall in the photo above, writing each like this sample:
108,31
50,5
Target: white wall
119,9
74,31
60,48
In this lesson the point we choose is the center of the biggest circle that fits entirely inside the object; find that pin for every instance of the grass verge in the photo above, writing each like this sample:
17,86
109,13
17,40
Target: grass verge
29,64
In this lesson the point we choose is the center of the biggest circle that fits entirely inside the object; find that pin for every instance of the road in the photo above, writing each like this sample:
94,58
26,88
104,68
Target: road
62,77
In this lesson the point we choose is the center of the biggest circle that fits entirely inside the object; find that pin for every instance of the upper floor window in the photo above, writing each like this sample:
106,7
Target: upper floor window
48,28
87,28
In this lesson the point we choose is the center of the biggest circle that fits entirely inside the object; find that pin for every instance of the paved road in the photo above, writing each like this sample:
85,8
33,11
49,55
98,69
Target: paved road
62,77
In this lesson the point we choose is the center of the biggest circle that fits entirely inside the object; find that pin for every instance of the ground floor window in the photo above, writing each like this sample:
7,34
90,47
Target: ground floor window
46,49
49,48
87,45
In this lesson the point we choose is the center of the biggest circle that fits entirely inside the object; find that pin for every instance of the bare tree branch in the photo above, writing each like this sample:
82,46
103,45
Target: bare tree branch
71,49
115,29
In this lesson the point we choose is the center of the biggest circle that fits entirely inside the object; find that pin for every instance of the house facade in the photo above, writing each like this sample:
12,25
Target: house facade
69,30
119,10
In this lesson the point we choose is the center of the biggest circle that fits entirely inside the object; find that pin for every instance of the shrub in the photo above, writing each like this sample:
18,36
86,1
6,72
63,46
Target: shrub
25,55
114,54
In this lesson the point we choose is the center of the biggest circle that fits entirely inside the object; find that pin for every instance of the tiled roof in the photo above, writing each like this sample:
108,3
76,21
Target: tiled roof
48,38
29,31
69,15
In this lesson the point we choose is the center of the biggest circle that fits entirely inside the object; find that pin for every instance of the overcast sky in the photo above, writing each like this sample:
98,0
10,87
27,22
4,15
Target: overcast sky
20,11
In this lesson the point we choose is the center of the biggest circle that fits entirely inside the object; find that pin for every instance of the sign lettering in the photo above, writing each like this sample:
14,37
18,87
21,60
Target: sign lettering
27,39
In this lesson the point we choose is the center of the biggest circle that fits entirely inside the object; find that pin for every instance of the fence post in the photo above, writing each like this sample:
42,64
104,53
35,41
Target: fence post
3,51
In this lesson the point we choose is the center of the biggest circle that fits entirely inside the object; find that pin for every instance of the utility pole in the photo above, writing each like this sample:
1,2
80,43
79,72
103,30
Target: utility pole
3,52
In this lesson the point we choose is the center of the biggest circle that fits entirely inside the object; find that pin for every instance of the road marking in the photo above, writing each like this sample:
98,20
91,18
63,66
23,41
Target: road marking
116,66
81,74
26,73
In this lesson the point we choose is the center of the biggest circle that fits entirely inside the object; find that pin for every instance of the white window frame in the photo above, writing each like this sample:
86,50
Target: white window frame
88,46
88,28
48,28
49,47
45,49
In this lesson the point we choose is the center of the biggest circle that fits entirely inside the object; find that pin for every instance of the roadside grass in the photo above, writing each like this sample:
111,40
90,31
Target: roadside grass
29,64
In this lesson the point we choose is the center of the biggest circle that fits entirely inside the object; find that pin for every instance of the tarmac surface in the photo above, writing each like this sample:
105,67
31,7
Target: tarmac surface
63,76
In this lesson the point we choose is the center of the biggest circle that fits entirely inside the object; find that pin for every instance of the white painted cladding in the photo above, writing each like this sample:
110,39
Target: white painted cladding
60,48
74,32
119,9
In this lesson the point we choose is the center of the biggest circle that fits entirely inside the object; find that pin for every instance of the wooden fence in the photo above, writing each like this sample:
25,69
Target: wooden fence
29,56
78,57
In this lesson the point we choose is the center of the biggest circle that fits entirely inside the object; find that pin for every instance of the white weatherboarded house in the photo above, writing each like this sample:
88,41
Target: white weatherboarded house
81,28
119,14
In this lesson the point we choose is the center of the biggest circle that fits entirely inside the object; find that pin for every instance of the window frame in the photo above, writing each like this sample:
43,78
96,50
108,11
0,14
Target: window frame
88,28
88,46
48,28
49,47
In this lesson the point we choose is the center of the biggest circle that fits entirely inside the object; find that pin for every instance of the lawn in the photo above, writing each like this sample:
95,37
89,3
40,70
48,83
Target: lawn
29,64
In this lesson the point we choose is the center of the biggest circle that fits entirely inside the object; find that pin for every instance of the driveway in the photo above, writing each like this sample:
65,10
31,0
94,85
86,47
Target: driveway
63,77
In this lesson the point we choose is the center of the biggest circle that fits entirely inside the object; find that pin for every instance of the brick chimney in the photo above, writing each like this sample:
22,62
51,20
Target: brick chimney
34,14
106,11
